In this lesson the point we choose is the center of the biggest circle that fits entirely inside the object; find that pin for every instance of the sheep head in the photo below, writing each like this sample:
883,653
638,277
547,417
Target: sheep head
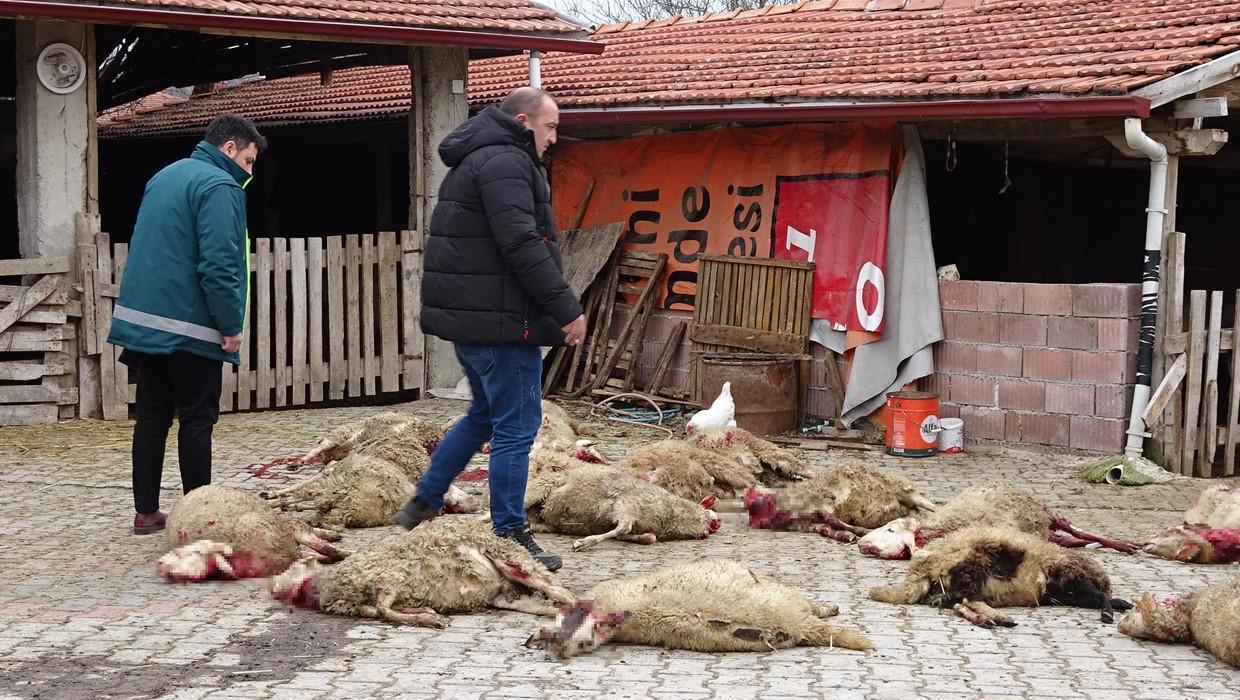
897,539
1163,620
584,451
197,561
296,586
1079,581
712,518
579,628
1197,544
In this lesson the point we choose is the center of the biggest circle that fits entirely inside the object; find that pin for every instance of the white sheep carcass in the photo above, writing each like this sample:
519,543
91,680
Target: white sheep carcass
1209,618
692,472
773,464
710,605
223,532
995,504
842,502
602,503
446,565
389,426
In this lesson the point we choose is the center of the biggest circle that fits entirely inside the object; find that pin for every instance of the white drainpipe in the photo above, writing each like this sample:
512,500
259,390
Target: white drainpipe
536,69
1156,211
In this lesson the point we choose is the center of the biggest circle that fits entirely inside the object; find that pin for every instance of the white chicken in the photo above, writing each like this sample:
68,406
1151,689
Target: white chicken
721,414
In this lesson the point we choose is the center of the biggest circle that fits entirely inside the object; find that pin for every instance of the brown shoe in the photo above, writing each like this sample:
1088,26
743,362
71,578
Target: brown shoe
147,523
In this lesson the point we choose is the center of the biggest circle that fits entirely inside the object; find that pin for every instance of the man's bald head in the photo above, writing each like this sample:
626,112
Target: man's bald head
526,100
537,111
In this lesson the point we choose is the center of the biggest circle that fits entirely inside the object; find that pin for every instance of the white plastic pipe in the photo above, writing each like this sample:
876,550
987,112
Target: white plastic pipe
536,69
1156,212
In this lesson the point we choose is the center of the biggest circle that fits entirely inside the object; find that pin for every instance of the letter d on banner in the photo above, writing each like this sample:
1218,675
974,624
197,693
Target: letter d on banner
871,274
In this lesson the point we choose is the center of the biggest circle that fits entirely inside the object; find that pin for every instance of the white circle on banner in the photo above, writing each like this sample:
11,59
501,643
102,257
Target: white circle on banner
870,273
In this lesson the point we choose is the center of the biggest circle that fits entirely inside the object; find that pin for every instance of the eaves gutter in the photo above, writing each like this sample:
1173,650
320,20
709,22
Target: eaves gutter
325,30
998,108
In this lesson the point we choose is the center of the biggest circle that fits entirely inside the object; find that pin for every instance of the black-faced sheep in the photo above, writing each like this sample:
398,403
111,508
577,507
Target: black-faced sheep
973,569
773,464
996,504
602,503
1209,618
842,502
243,533
446,565
711,605
361,491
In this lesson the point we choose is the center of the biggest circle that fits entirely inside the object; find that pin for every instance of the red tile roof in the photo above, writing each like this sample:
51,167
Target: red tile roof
473,15
829,50
839,49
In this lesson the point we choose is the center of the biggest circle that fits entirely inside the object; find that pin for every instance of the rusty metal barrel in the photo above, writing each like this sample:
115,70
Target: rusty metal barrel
764,388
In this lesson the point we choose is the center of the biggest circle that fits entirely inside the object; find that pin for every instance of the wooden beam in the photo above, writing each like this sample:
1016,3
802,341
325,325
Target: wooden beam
1175,375
34,266
1185,142
1192,81
38,292
1200,107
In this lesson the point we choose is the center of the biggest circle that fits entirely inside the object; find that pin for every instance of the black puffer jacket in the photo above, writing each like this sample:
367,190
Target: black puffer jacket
492,270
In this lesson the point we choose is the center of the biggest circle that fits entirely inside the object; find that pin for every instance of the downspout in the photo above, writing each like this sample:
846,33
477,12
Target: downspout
1156,211
536,69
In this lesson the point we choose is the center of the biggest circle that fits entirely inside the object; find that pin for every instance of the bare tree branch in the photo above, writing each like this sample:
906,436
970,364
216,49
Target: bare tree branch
604,11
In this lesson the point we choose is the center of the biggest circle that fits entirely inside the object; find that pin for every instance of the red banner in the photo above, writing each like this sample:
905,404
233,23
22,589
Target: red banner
805,192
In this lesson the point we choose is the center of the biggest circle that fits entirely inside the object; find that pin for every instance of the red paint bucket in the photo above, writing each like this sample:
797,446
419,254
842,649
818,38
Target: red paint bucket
912,423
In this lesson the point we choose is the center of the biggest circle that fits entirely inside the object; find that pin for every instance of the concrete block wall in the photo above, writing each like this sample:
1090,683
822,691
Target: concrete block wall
1044,364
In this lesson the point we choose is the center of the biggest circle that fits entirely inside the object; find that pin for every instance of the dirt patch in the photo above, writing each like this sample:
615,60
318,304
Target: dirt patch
288,647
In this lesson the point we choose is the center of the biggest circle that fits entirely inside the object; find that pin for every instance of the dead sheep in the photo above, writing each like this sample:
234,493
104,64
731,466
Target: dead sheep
1209,618
1215,506
710,605
994,504
246,537
690,471
341,441
447,565
602,503
977,569
842,502
557,427
774,464
361,491
558,457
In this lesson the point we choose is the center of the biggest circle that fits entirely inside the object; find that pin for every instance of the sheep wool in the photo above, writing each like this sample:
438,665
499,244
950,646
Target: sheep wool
1209,618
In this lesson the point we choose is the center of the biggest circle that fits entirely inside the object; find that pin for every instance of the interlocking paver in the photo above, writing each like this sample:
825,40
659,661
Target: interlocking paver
82,609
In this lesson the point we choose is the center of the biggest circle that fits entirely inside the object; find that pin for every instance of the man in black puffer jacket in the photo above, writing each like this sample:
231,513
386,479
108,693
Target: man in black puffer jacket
493,285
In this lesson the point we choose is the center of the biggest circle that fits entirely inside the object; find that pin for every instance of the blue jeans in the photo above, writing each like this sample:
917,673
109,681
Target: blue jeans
506,381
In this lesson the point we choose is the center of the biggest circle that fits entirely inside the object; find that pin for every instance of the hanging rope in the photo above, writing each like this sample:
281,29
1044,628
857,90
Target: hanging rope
1007,181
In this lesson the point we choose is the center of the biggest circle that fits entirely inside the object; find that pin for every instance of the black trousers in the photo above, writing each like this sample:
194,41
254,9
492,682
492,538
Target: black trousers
188,386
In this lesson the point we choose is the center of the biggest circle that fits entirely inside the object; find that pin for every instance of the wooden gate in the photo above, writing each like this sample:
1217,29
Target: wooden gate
36,369
330,318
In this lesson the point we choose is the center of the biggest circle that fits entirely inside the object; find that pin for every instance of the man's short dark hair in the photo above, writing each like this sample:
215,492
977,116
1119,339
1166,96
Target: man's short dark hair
525,100
235,128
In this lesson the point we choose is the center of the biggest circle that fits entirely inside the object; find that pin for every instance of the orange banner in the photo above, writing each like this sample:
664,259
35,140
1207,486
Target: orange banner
808,192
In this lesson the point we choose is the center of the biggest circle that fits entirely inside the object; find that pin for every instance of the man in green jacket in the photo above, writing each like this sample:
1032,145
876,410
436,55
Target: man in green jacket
182,304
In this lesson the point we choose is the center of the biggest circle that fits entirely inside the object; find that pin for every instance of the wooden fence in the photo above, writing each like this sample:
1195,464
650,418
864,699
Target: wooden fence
36,369
330,318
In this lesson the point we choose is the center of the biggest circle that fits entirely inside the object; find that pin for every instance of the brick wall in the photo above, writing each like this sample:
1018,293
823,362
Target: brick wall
1046,364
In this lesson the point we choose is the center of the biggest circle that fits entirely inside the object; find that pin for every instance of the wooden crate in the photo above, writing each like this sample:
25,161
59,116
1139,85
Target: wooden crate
36,371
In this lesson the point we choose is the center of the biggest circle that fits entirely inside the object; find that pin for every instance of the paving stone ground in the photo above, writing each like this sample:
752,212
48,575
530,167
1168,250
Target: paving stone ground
84,615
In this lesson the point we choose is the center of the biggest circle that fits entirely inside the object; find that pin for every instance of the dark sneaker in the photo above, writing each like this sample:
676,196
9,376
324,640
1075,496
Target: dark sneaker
414,514
147,523
525,538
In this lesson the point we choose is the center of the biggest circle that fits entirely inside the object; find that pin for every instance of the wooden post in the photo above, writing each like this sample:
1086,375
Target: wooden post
1233,403
413,342
297,267
1209,411
318,373
389,258
1192,395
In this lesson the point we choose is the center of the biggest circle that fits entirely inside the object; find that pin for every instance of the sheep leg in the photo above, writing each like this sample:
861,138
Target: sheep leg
981,614
824,611
1063,539
916,501
301,485
837,535
329,535
524,604
519,575
644,538
1058,522
821,634
831,519
318,544
417,617
624,527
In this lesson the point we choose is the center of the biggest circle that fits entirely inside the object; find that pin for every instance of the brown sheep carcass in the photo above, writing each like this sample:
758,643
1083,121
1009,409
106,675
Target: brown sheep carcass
842,502
773,464
976,569
994,504
361,491
245,537
602,503
446,565
710,605
689,471
1209,618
